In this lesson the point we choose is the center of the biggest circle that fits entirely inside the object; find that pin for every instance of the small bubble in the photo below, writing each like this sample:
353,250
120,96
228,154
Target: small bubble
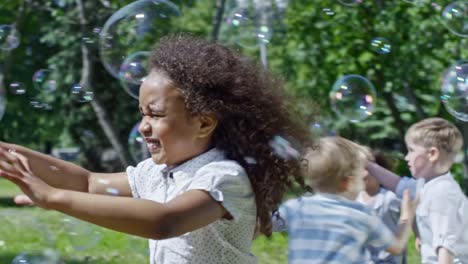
250,160
53,168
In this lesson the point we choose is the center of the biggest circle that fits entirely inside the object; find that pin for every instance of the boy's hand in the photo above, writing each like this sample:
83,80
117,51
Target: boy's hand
417,244
408,207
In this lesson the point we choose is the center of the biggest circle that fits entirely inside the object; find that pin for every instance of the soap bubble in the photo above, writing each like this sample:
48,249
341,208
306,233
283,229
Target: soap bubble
17,88
246,28
9,37
47,256
135,27
44,82
380,45
81,94
454,92
81,235
455,18
353,97
137,145
133,72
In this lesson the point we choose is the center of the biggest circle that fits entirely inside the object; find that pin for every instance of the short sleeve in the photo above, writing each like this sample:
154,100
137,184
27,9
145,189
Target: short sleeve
279,218
380,236
406,183
227,182
137,177
445,221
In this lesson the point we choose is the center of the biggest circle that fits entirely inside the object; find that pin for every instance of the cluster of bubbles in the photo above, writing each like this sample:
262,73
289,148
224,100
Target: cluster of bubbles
454,90
129,34
353,97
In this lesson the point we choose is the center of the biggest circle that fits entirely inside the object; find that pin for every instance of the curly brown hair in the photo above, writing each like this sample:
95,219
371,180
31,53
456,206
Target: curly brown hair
250,107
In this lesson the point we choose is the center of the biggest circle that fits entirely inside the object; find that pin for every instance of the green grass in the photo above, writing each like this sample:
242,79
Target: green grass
29,229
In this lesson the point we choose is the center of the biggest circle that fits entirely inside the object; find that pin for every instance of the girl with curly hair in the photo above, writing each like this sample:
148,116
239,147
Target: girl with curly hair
210,119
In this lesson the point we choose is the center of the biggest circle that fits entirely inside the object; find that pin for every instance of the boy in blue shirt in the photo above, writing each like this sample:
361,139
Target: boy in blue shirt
329,226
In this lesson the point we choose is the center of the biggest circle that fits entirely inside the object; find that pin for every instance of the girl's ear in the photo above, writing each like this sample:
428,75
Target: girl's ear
207,123
434,154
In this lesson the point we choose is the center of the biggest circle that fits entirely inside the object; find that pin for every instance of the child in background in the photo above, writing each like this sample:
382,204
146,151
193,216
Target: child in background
386,205
442,216
208,116
329,226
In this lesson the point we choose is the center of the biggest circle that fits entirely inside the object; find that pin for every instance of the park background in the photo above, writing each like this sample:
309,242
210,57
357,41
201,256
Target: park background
311,45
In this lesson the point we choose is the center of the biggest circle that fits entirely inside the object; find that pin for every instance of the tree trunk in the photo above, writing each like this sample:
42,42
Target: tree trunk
98,108
216,23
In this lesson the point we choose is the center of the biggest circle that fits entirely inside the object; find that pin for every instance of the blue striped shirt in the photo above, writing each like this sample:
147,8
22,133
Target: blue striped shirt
326,228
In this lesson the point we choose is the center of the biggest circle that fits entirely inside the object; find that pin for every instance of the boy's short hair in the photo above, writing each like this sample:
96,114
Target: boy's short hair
331,161
439,133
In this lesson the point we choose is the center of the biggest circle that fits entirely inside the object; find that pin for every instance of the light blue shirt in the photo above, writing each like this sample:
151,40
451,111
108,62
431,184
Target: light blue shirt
326,228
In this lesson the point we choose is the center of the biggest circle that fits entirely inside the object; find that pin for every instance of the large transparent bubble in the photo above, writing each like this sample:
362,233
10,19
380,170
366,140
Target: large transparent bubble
9,37
455,18
137,145
454,93
135,27
353,97
133,72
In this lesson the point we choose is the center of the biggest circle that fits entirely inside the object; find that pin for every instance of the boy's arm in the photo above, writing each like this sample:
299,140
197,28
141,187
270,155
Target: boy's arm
385,177
444,256
408,209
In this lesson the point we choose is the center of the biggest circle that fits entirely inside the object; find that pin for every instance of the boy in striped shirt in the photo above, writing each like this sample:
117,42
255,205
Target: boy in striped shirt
329,226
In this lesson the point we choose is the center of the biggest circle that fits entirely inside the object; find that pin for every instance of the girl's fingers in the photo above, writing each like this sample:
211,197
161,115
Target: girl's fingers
23,160
14,160
11,178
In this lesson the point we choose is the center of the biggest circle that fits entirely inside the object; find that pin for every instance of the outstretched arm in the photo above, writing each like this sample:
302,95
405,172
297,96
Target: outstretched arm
187,212
385,177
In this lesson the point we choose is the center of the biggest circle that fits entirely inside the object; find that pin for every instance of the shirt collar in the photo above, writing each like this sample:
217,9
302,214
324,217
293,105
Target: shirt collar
438,179
189,167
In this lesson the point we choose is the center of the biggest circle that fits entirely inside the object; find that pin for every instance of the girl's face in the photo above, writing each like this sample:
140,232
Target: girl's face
372,185
417,159
356,183
171,133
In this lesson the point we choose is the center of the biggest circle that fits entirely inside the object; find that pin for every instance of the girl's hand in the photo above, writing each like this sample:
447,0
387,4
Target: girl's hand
15,168
22,199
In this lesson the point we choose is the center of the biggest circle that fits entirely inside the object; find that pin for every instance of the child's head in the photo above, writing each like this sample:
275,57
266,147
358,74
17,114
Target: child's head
432,145
200,95
337,165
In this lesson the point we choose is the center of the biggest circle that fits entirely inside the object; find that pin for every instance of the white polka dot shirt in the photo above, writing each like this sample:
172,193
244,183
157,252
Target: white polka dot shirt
224,241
